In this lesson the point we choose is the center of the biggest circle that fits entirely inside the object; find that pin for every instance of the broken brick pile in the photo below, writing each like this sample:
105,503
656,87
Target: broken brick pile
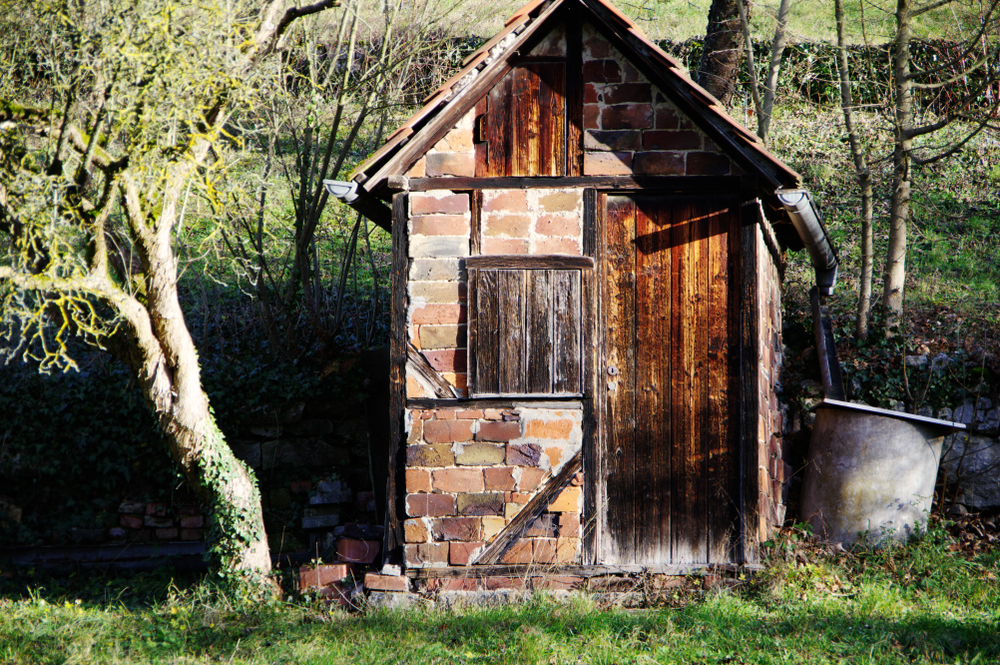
144,522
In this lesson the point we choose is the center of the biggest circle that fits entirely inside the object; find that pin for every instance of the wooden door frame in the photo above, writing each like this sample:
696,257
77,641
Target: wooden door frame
594,462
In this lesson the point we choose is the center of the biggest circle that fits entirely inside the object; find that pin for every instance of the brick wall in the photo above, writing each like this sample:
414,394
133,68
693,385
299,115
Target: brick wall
469,472
771,469
631,127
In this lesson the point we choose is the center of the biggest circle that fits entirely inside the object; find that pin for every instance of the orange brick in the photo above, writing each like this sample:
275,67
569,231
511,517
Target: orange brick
458,480
544,550
549,429
460,554
378,582
520,552
567,501
439,313
554,454
531,478
415,531
418,480
567,549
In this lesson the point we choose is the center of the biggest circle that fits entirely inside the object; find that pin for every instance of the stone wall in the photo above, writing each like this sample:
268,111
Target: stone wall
470,471
970,460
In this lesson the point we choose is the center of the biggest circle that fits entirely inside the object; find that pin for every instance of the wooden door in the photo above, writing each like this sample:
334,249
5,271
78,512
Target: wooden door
669,444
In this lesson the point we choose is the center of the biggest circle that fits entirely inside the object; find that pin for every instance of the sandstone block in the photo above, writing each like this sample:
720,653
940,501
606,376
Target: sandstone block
561,202
461,164
438,292
430,455
515,226
486,503
506,200
377,582
437,247
505,246
558,225
567,550
458,480
569,246
480,454
430,270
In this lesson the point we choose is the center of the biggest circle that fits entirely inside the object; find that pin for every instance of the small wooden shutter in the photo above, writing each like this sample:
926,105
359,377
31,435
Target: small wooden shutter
525,332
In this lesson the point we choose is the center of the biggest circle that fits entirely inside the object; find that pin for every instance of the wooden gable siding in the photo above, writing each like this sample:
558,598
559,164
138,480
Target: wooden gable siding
523,123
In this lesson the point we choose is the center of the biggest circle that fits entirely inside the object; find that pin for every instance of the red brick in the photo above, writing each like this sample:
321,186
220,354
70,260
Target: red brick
558,246
707,163
157,509
427,553
667,117
549,429
607,163
437,313
460,554
444,414
447,431
520,552
430,505
624,140
558,225
659,163
627,116
427,204
446,360
418,480
494,582
498,431
602,71
130,521
511,200
167,534
192,534
592,94
377,582
440,225
669,139
315,577
628,93
544,550
499,478
451,163
523,454
439,455
596,47
569,525
458,480
591,116
505,246
192,522
358,551
190,508
451,584
558,582
630,73
469,414
415,531
531,478
466,529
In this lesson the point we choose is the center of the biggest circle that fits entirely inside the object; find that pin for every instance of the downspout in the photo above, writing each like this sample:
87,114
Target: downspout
351,193
801,210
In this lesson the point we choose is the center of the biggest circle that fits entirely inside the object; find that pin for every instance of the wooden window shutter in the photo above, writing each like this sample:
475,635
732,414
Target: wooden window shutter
525,332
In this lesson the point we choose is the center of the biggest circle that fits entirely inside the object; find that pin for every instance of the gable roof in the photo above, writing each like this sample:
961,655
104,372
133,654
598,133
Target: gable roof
483,68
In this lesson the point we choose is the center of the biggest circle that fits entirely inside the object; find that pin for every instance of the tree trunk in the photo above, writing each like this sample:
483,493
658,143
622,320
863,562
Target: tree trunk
864,179
774,67
895,260
721,53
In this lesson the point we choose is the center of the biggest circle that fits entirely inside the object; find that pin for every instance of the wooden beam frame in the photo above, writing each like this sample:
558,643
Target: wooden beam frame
749,390
667,183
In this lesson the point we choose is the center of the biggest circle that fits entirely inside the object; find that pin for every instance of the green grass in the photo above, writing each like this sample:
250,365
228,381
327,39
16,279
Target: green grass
922,603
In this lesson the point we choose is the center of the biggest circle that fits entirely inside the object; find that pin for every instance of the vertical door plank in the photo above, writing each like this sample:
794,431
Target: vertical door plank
721,452
540,330
552,118
700,383
523,121
617,378
499,133
652,336
487,356
567,350
511,302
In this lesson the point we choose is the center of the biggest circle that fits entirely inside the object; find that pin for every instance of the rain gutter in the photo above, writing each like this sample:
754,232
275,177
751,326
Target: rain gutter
351,193
802,211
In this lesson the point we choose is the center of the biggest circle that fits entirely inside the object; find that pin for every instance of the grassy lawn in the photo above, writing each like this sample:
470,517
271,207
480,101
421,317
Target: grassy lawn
927,602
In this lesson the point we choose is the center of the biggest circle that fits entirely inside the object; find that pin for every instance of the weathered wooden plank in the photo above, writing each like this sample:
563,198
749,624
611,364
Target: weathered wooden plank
699,278
529,571
526,262
475,221
541,331
567,312
618,377
505,402
523,123
749,396
500,136
487,332
729,184
530,512
593,486
552,118
396,486
480,136
574,95
511,331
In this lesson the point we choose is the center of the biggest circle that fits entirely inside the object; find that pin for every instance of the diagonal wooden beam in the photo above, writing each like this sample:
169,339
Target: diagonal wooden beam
419,363
517,526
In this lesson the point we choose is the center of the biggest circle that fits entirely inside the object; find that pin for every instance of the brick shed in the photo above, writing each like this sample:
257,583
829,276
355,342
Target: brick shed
587,262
